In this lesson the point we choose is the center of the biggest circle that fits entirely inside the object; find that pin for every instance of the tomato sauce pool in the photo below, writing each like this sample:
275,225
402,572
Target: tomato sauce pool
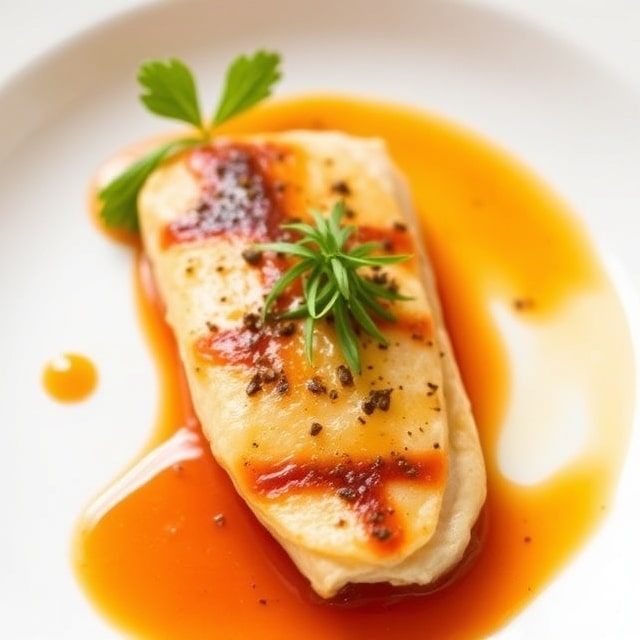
169,550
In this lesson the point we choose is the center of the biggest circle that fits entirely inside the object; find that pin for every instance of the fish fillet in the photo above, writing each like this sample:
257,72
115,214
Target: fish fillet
370,477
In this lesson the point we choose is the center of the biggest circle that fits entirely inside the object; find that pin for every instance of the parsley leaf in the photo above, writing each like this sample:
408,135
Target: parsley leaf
249,80
120,197
170,91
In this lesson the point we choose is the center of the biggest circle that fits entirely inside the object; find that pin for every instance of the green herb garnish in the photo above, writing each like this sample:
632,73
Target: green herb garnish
169,90
331,284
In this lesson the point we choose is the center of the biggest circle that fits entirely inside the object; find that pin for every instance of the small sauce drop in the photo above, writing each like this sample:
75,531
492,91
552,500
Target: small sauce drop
70,377
179,555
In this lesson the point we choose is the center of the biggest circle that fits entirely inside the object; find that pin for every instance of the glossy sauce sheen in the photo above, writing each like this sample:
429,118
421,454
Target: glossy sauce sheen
182,557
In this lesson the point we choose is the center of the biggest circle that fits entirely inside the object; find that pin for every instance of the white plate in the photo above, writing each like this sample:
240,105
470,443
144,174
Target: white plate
66,289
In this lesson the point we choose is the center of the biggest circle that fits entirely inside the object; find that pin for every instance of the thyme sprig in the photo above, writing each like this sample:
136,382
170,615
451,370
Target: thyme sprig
331,283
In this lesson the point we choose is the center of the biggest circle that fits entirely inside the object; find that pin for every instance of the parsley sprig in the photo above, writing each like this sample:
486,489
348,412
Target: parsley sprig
331,284
169,90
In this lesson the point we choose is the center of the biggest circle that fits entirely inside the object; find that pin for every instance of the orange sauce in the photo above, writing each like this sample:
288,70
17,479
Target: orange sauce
69,377
178,555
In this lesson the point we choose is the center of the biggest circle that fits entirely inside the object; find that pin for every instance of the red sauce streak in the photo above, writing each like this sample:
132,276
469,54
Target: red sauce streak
240,194
360,483
240,346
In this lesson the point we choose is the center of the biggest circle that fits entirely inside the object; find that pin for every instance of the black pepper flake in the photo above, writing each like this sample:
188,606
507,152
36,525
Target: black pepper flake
285,329
527,539
436,445
316,428
262,601
368,407
251,321
283,384
255,385
349,213
383,399
341,188
333,394
252,256
380,277
387,245
212,327
361,420
348,493
523,304
316,386
377,399
344,376
381,533
399,226
432,388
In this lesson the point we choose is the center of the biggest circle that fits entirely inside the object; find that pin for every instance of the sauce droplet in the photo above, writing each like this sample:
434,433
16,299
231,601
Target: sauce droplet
70,377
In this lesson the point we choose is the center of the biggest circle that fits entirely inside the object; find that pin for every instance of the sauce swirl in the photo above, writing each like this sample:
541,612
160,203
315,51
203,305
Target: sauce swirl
181,556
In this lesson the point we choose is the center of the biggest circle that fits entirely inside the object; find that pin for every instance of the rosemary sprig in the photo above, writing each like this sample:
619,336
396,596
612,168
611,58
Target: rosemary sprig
331,284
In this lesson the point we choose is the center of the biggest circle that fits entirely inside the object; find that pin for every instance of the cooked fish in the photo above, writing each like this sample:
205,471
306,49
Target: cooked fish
364,477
